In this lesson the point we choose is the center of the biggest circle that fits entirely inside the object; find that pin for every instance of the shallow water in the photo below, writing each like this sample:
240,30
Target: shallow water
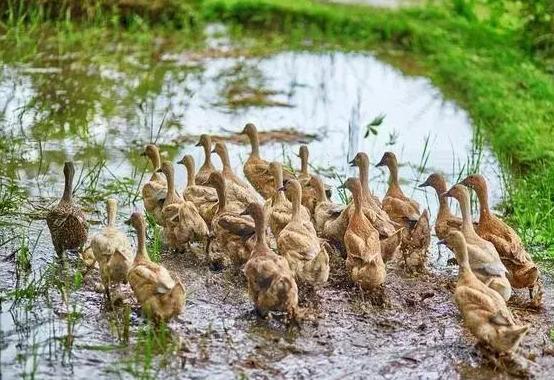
80,107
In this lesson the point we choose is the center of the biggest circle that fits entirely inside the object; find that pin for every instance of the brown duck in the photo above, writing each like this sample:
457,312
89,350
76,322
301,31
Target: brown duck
271,284
67,222
207,167
309,193
522,271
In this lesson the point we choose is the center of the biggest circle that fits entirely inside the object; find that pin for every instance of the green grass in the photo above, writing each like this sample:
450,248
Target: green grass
507,91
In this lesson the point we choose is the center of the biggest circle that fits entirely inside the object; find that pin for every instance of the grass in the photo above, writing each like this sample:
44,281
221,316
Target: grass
507,91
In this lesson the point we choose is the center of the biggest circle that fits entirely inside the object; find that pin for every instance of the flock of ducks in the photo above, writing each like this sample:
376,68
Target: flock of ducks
278,227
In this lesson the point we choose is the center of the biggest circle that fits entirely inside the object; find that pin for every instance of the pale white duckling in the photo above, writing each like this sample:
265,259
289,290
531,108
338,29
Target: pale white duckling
299,244
207,167
271,283
278,209
160,295
154,190
483,258
203,197
361,239
112,251
484,311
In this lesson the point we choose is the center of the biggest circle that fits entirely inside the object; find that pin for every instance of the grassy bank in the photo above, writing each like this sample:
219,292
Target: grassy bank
481,61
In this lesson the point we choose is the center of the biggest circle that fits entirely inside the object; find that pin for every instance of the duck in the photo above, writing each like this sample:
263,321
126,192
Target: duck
390,233
171,206
483,310
363,249
67,221
483,257
309,196
207,167
232,233
271,283
326,213
239,192
112,251
203,197
445,221
299,244
404,211
279,209
256,169
160,294
154,190
522,271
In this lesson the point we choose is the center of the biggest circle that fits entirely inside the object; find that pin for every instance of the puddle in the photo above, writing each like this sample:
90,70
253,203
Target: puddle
77,107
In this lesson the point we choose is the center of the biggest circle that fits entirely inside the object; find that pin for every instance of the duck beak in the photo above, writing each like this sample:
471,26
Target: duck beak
181,162
143,154
424,184
441,242
245,212
381,163
198,144
213,150
465,182
282,188
352,163
159,170
128,222
340,187
447,193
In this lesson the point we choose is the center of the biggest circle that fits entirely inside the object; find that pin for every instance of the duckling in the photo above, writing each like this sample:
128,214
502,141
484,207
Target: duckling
389,236
279,209
230,231
255,168
483,257
364,260
523,273
404,211
271,283
112,251
446,221
155,190
67,222
207,167
299,244
238,191
484,311
309,196
203,197
159,293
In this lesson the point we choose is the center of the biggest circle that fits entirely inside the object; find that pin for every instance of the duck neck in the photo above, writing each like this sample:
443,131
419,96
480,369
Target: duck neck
112,210
260,231
68,187
221,198
278,178
364,178
191,179
254,143
463,260
444,209
467,223
225,162
207,155
394,182
357,197
155,159
170,186
304,164
142,253
295,199
482,195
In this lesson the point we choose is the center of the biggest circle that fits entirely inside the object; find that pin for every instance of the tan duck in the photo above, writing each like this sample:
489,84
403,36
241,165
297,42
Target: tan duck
271,284
231,232
67,222
155,190
278,209
257,169
171,206
309,194
404,211
326,212
203,197
361,239
238,191
483,257
446,221
160,295
388,235
112,251
207,167
523,273
484,311
298,242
